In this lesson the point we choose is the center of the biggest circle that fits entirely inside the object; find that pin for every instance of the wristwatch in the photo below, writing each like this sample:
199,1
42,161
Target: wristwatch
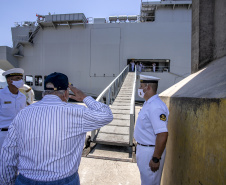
155,159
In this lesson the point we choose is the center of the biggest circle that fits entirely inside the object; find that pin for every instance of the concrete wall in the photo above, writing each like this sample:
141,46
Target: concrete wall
219,29
208,32
196,145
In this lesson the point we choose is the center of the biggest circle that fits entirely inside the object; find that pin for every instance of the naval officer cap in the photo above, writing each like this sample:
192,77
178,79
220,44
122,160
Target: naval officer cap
13,72
59,80
148,79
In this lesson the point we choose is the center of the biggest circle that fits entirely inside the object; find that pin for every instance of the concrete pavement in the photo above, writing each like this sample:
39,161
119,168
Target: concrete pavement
99,171
107,172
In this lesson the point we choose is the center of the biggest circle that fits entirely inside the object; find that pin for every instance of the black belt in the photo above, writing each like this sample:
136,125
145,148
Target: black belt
145,145
4,129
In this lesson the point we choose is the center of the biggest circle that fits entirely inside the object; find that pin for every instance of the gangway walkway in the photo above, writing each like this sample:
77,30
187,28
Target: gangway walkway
120,131
117,132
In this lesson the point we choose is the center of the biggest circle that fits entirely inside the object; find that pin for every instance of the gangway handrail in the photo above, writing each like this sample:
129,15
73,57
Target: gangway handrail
110,85
132,110
115,85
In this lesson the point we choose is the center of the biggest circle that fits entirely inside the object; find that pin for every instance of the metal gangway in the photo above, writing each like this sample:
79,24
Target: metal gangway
120,96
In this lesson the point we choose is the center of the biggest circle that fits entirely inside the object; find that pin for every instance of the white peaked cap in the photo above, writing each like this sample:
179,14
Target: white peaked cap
14,72
148,79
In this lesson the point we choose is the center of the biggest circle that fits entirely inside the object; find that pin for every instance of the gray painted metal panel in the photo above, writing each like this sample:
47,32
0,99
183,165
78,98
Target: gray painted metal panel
76,17
105,47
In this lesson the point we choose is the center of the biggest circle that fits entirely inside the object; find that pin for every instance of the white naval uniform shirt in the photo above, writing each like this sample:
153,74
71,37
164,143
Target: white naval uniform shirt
152,119
10,105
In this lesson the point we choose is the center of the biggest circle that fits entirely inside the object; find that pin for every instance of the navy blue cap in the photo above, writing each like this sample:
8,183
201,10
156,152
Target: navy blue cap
59,80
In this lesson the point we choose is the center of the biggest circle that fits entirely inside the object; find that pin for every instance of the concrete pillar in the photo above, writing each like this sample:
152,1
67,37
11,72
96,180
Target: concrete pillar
202,33
208,32
219,29
196,144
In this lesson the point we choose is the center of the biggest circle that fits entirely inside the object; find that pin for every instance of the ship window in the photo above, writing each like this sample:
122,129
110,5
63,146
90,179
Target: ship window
151,65
38,80
29,80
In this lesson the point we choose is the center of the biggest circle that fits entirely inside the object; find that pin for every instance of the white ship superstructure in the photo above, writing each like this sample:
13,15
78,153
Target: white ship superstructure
93,51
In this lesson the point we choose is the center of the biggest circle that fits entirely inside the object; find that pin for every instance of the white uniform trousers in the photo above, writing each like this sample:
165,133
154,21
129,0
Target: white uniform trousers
2,137
144,155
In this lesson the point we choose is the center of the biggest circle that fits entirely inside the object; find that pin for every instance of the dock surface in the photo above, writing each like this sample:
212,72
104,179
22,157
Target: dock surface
109,165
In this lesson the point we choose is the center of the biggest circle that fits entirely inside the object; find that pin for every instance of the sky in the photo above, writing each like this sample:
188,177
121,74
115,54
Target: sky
25,10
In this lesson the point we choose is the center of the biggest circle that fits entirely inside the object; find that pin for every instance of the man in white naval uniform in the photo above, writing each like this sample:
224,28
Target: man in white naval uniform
140,67
11,100
151,132
132,65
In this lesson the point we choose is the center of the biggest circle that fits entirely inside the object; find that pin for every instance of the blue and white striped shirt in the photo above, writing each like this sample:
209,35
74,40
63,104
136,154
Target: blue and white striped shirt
46,139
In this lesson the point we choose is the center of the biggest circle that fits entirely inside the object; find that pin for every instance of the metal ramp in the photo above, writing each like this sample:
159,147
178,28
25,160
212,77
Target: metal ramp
121,99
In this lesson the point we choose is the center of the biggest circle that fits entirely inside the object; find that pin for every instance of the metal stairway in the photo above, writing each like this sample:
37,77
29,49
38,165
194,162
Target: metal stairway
23,41
120,130
34,34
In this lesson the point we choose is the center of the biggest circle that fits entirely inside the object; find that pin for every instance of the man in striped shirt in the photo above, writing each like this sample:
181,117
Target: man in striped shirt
45,140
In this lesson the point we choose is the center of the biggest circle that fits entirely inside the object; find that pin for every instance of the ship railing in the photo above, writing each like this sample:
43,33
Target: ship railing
111,91
132,110
32,36
159,69
24,23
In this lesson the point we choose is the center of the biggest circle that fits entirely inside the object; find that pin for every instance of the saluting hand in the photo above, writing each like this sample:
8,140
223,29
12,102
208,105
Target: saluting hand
78,94
154,166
